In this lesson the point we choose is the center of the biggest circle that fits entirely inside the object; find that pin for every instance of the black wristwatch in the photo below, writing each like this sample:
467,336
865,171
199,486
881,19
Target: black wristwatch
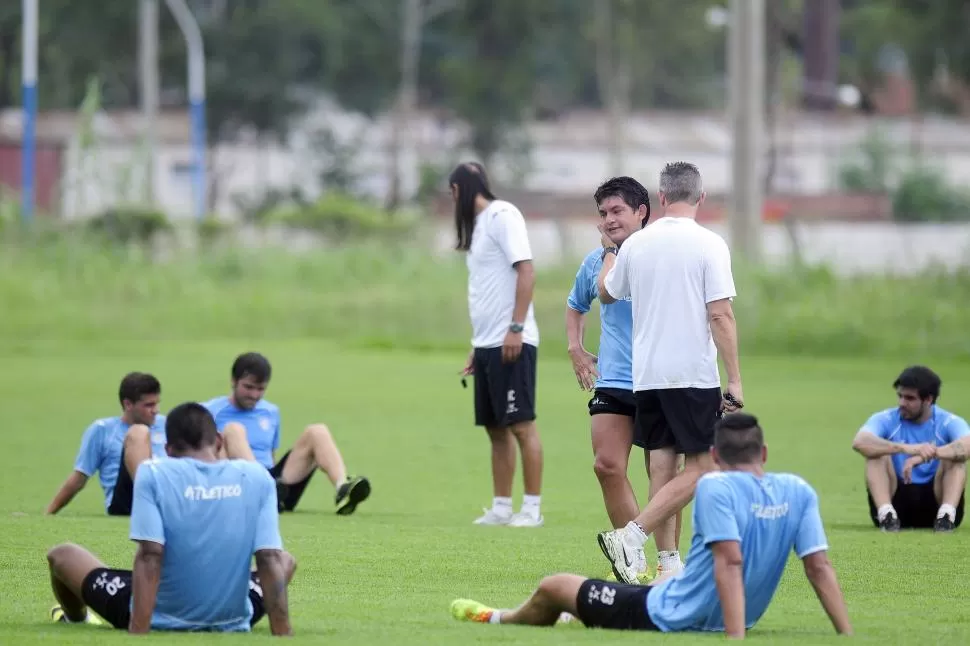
516,328
612,250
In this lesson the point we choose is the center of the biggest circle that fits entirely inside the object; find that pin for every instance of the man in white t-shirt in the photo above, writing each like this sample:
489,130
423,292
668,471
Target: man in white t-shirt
678,275
505,339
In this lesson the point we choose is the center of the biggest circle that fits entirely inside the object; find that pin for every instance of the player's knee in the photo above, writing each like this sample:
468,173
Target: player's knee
607,466
137,434
318,431
59,554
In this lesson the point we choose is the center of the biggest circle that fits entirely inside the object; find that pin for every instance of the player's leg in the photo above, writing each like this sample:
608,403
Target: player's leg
662,468
611,432
949,485
881,486
316,449
488,402
690,415
235,443
256,589
555,595
520,418
71,568
136,448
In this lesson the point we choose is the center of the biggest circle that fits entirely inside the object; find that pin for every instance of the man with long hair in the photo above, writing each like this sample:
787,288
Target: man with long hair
505,339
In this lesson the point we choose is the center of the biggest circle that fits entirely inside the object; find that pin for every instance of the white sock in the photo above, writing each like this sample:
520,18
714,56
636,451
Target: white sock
530,504
947,510
496,617
633,535
886,509
502,506
669,560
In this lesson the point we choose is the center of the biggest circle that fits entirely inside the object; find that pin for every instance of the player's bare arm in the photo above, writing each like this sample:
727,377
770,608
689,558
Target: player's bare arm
870,446
584,362
724,330
272,571
145,575
729,579
957,451
71,487
525,283
608,261
821,574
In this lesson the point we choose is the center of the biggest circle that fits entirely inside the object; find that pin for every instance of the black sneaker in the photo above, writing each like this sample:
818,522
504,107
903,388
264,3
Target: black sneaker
943,525
890,523
350,494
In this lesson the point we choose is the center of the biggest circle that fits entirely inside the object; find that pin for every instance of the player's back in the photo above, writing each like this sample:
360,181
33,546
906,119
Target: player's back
769,515
211,517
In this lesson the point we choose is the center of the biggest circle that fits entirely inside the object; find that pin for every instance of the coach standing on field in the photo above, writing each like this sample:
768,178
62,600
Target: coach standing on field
505,339
678,276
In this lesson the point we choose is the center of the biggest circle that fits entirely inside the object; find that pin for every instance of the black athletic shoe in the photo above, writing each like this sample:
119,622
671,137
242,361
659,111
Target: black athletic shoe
890,523
282,491
350,494
943,525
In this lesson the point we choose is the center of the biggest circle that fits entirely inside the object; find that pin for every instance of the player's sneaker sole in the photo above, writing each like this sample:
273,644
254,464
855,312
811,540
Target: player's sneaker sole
352,494
59,617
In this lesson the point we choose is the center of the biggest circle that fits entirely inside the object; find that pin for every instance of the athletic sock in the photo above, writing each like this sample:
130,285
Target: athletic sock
947,510
633,535
502,506
884,510
496,617
530,505
669,560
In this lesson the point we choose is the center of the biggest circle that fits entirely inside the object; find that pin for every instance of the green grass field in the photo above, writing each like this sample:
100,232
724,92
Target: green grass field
388,573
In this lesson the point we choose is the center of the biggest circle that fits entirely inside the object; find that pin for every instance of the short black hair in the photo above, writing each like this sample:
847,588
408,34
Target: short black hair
628,189
472,181
253,364
921,379
190,427
136,385
738,438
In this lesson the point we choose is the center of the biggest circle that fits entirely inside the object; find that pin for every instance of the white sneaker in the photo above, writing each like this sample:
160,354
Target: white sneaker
525,519
491,517
627,561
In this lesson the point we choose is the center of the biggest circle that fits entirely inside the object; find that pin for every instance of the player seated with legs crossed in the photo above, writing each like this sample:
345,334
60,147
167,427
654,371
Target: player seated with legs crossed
746,522
250,426
916,458
624,208
198,521
113,447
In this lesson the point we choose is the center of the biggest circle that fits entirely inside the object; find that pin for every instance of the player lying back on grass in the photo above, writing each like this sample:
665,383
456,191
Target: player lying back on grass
198,522
746,522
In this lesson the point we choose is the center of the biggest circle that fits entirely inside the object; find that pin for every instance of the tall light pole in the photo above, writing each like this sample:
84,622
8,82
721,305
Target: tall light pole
29,100
148,76
746,74
196,55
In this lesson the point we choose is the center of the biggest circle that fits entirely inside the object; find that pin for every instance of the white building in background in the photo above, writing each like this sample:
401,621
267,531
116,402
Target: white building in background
106,166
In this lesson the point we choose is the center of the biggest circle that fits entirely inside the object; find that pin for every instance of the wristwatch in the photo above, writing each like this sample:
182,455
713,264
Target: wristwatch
516,328
612,250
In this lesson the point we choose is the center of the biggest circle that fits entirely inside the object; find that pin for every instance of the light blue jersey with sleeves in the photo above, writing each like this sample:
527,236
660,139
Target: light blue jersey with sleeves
211,517
769,516
614,361
101,447
262,424
942,428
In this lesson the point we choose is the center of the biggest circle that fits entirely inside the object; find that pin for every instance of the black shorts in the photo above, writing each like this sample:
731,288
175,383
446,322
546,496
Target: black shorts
293,491
124,493
916,506
505,394
616,401
617,606
682,418
107,591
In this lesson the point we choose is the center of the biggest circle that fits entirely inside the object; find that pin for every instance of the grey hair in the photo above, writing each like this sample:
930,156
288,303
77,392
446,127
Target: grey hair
681,182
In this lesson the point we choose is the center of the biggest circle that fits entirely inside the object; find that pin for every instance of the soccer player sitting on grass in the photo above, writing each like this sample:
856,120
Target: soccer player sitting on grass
745,523
916,455
115,446
250,427
198,521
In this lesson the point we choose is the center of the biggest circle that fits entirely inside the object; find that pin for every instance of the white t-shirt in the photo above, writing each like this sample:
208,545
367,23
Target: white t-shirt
499,240
670,270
